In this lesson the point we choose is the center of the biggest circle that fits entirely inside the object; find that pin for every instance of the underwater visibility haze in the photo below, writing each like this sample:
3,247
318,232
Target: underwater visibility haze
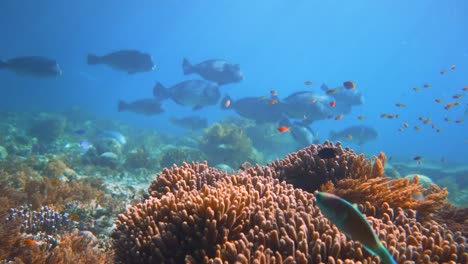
115,114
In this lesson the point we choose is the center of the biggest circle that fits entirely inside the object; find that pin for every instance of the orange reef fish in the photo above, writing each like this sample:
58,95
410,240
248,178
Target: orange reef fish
283,129
332,91
28,242
332,103
349,85
400,105
406,125
338,117
350,221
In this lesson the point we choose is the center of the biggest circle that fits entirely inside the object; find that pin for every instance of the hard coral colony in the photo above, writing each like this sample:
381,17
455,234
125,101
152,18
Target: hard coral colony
195,213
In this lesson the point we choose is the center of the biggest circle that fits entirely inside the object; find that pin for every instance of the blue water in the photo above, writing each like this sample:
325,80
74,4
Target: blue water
385,47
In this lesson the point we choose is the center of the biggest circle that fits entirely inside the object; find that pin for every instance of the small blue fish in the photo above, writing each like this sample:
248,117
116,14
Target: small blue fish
350,221
85,146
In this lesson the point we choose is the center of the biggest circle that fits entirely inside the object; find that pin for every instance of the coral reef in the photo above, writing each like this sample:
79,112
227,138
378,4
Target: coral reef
197,214
227,143
306,170
47,127
176,155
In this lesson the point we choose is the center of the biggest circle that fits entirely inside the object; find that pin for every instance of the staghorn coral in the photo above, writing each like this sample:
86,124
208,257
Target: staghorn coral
199,215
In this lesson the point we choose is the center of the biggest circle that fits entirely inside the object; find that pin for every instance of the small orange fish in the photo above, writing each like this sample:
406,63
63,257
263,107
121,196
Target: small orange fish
227,103
406,125
417,128
400,105
416,89
459,121
453,67
390,116
426,85
361,117
349,85
283,129
438,100
28,242
272,101
274,93
332,91
55,182
457,96
443,72
308,83
75,217
332,103
338,117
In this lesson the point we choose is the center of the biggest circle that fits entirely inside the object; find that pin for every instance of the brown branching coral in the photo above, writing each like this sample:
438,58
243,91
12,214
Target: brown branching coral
306,170
199,215
405,193
80,248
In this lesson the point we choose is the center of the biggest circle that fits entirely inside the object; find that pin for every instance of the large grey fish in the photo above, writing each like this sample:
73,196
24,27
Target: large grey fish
349,220
219,71
301,133
190,122
360,134
131,61
147,106
32,65
345,99
194,93
254,108
307,105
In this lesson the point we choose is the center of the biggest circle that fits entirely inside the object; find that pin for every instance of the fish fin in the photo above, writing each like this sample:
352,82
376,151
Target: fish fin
383,253
160,92
187,67
122,106
197,107
2,64
224,102
93,59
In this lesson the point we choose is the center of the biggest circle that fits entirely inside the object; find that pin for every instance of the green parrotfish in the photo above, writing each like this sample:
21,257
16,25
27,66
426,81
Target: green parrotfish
350,221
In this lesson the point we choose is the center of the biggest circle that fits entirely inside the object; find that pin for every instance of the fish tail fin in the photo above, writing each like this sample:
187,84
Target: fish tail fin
122,106
93,59
160,92
2,64
187,67
226,102
384,255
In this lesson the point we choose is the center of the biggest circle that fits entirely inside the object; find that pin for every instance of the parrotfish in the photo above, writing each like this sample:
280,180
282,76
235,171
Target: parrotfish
350,221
